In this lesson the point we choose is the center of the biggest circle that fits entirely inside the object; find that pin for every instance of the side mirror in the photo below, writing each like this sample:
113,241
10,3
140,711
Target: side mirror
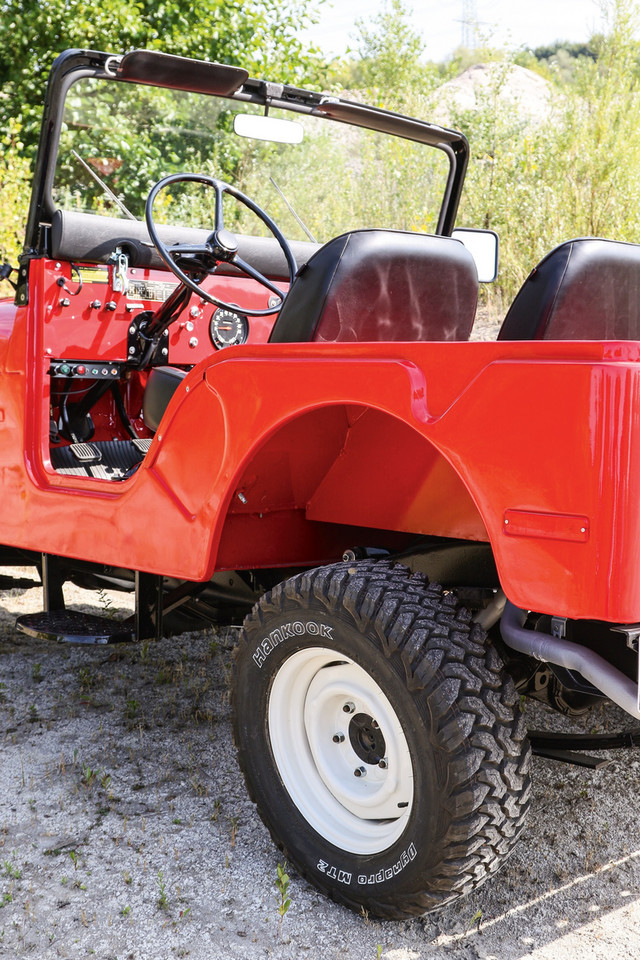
259,127
483,247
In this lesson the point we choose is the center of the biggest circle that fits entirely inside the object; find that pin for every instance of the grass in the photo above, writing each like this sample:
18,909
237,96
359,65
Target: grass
163,899
283,883
11,870
234,823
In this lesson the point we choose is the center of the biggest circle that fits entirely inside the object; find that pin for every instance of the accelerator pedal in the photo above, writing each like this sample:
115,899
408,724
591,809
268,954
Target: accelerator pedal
70,626
142,444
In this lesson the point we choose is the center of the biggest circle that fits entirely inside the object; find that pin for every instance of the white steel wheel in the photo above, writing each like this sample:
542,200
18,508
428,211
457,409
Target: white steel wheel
340,751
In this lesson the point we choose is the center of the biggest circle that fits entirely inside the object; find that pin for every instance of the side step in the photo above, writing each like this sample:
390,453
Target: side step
563,746
70,626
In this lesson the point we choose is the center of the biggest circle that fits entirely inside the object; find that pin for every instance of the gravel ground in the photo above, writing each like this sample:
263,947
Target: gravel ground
126,831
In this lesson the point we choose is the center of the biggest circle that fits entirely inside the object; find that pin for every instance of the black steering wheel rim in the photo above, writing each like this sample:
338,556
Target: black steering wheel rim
209,249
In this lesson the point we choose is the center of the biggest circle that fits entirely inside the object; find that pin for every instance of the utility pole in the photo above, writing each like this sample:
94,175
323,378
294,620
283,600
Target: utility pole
469,23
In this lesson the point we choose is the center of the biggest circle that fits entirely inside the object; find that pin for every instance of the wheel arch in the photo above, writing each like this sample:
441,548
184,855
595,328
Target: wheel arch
333,473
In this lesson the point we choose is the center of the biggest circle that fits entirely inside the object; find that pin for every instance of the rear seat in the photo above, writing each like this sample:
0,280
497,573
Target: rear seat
585,289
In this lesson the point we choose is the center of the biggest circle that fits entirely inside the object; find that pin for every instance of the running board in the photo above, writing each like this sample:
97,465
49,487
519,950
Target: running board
71,626
57,623
564,747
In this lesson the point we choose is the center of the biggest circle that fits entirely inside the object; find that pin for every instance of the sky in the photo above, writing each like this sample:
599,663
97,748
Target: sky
508,22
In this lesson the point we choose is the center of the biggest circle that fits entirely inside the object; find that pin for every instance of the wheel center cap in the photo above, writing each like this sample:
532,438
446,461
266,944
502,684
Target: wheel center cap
366,738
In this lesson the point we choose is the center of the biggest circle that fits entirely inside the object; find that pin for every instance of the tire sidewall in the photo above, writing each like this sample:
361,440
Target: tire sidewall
400,869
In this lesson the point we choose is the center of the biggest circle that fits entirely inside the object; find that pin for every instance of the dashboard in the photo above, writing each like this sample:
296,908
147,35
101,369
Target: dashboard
90,309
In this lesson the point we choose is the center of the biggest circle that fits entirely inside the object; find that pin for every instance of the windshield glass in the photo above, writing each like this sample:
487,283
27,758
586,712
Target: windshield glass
340,177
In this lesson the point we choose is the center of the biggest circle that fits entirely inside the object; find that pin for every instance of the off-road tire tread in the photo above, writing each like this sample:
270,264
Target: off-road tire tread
477,727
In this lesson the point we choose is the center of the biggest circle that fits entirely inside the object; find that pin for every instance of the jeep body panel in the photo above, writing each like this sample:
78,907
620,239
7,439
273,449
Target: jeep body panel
275,455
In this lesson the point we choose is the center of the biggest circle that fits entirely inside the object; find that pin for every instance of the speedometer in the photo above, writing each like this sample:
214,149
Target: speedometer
228,328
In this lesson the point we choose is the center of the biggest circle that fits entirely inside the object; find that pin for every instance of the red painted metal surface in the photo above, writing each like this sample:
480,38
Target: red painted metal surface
277,455
93,324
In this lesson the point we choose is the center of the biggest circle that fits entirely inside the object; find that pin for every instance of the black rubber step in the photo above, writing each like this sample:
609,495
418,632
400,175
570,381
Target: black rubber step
70,626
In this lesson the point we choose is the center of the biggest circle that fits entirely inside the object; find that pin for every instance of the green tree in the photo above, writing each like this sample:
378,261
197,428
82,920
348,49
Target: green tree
576,173
560,60
261,35
390,54
599,141
15,178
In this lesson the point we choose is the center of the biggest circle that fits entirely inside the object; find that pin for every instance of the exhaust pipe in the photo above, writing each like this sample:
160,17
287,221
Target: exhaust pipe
594,668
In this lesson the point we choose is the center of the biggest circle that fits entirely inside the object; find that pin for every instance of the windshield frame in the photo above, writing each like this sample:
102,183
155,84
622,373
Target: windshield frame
219,80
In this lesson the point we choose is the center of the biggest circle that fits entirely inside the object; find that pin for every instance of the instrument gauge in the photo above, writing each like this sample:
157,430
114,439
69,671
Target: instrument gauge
228,328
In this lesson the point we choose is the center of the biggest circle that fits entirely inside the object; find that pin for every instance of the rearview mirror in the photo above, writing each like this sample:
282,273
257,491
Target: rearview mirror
483,247
259,127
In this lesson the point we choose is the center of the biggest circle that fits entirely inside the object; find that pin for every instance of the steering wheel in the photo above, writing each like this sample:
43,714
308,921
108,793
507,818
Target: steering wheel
221,246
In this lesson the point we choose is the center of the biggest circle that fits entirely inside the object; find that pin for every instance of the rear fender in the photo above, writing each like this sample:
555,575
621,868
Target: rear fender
286,478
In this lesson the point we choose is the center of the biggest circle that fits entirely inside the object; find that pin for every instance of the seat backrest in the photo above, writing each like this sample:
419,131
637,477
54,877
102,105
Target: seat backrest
382,285
585,289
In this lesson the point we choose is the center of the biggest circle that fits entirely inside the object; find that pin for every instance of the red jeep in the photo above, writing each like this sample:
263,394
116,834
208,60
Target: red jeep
289,424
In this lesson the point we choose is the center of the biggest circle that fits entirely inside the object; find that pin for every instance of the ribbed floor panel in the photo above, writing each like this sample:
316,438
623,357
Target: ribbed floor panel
119,458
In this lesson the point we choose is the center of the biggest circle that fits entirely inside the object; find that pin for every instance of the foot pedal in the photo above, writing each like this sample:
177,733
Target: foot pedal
85,453
70,626
142,444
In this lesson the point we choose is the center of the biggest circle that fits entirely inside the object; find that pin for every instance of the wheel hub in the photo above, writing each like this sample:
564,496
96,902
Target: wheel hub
366,739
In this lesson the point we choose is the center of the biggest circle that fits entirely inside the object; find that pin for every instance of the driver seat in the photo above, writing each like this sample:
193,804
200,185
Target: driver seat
367,285
381,285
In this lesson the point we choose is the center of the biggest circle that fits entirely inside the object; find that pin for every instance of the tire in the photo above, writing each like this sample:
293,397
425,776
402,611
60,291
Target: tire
379,737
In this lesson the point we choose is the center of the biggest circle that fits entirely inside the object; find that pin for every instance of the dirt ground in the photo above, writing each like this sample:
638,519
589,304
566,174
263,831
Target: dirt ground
126,831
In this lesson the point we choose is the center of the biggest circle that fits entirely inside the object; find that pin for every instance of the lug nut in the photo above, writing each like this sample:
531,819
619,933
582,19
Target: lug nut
359,772
374,724
349,707
338,738
383,764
